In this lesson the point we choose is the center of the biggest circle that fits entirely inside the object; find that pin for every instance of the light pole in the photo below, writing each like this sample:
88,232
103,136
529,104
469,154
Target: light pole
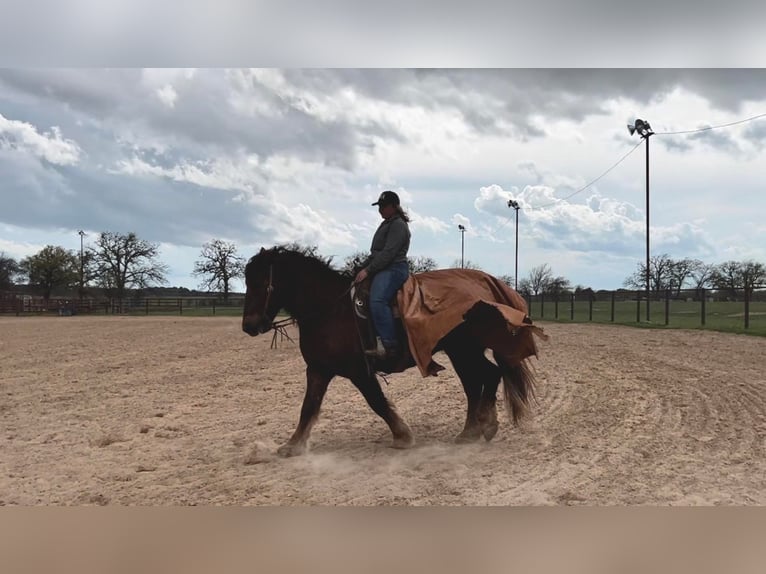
643,129
81,233
515,205
462,246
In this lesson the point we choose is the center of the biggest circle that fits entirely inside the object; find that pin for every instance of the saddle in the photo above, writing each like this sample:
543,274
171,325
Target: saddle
360,297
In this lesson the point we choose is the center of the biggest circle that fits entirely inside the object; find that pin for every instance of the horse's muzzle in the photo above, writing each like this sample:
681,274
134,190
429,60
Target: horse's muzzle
255,325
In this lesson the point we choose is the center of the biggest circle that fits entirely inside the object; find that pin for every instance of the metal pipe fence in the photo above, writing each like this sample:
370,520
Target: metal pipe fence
738,311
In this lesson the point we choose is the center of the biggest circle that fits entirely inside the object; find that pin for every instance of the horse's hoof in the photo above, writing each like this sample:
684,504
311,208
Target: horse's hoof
466,437
288,450
489,431
403,442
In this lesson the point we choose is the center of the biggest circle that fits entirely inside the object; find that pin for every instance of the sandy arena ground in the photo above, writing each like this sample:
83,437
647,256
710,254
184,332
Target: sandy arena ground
190,411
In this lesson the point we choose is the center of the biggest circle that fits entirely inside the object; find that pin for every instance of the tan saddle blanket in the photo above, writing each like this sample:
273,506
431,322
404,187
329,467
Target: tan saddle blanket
433,303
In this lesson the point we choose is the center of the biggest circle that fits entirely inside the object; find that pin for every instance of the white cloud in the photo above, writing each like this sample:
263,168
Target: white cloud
268,156
167,95
50,145
426,222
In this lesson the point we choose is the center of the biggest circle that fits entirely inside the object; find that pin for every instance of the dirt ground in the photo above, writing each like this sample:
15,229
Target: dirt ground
190,411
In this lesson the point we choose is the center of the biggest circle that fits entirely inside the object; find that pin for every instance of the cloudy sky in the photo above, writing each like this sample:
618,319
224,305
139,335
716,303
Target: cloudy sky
266,156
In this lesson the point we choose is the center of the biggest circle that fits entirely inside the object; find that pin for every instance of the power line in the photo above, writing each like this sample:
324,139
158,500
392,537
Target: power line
583,188
711,127
557,200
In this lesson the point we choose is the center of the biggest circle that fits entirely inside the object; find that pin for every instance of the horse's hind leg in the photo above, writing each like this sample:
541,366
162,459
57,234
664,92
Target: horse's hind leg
468,363
373,394
487,405
316,387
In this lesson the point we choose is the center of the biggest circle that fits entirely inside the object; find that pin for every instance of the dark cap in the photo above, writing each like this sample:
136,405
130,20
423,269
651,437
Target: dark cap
387,198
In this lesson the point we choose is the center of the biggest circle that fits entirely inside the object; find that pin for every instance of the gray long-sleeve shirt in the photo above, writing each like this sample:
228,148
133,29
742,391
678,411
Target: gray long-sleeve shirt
389,244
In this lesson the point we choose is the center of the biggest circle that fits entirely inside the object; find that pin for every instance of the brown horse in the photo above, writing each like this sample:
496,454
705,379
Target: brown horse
316,296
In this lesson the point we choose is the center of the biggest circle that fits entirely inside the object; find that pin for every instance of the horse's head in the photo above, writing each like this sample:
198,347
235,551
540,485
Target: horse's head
262,297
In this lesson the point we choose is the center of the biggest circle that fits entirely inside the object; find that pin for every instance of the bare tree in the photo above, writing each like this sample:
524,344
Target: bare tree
507,279
9,269
467,264
726,277
51,268
125,261
753,276
680,271
701,276
354,262
421,264
558,285
539,277
733,275
660,274
218,266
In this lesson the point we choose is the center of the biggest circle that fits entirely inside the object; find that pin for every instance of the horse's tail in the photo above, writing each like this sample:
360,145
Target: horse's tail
518,387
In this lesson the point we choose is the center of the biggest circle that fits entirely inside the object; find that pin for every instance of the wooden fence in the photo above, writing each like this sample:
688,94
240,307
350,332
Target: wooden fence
135,306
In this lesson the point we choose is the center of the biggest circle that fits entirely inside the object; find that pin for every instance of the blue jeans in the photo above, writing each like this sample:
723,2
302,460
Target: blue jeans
384,286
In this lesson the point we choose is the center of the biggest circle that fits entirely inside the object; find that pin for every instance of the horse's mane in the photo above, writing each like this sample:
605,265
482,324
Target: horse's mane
305,256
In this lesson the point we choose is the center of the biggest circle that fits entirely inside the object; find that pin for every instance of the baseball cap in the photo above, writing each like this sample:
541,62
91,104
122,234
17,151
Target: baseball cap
387,198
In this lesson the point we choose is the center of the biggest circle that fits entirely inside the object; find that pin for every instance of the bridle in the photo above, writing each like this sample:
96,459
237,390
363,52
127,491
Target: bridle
269,291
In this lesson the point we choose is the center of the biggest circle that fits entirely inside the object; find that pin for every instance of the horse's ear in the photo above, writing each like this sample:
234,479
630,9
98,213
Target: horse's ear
261,251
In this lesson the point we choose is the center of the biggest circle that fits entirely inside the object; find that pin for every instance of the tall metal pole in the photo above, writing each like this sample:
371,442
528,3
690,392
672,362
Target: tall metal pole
515,205
462,246
516,269
645,130
648,286
82,271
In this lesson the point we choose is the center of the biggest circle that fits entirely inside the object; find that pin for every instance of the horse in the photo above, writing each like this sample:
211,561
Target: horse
317,298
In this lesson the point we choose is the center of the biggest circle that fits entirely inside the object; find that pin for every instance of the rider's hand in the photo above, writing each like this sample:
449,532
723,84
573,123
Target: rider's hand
361,276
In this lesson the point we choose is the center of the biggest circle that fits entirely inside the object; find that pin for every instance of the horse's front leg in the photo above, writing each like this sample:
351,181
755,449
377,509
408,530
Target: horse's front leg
370,388
316,387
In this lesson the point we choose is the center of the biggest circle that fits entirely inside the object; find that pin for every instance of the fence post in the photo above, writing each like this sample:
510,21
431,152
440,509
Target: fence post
638,307
146,305
612,306
213,308
542,304
747,308
667,307
180,306
571,306
556,306
704,299
590,307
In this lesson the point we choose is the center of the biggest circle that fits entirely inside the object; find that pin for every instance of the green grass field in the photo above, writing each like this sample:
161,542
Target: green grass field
719,316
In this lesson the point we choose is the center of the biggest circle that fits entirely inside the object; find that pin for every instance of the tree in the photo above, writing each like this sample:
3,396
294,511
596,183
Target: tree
218,266
467,264
125,261
507,279
558,285
51,268
701,276
732,275
354,262
9,269
753,276
680,271
539,278
421,264
660,274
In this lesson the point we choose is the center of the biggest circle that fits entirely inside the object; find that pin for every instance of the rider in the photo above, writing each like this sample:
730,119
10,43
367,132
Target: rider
389,270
